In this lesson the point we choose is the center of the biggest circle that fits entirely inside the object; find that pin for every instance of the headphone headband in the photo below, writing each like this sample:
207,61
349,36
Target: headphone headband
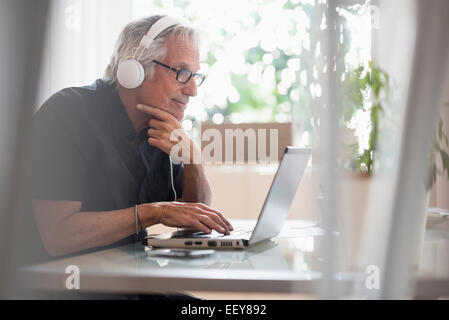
159,26
130,73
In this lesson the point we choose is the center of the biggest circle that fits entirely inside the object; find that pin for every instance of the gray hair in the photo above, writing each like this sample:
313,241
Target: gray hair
130,37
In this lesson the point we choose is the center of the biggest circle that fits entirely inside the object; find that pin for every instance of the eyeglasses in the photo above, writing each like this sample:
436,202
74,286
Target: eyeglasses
184,75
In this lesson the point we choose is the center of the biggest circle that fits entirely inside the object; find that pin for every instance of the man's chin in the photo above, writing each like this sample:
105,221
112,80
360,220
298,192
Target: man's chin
178,116
181,117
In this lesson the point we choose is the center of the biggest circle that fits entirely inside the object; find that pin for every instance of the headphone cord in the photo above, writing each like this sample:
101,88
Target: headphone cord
171,178
172,183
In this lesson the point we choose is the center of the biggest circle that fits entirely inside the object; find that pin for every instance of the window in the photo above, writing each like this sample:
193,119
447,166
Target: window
265,61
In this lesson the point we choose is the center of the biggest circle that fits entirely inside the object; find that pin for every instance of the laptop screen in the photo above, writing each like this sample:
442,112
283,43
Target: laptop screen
282,191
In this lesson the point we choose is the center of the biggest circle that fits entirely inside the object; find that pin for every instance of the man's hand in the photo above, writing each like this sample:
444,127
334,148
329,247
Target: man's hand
162,126
193,215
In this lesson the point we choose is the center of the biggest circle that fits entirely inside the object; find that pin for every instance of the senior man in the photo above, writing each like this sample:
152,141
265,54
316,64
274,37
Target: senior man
101,166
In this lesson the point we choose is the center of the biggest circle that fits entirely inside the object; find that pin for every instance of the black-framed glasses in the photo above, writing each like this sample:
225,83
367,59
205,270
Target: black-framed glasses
184,75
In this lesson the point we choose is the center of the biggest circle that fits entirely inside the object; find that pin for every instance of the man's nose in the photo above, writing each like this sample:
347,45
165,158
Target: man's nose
190,88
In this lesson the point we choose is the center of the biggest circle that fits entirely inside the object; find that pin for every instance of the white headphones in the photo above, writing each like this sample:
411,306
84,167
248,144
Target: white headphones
130,73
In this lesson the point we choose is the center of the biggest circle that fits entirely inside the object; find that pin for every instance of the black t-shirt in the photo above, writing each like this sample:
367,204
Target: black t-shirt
83,151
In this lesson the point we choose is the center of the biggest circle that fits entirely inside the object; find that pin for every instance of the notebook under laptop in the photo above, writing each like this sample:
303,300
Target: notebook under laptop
270,221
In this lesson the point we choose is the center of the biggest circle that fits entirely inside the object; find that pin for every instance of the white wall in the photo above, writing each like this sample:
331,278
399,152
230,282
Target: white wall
80,38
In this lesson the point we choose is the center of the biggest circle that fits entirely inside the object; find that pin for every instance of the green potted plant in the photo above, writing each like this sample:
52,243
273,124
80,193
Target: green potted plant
438,152
364,85
367,89
440,140
371,81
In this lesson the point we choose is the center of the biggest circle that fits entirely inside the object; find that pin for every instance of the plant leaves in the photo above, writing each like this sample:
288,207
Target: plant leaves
445,161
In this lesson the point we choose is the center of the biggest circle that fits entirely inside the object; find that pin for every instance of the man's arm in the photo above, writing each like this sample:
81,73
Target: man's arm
195,185
162,126
64,229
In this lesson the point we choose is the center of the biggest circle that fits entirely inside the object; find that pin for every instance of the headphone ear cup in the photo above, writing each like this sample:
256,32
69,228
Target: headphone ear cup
130,74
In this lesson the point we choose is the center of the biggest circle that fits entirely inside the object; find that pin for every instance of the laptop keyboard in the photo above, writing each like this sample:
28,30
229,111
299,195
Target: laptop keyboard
188,233
241,232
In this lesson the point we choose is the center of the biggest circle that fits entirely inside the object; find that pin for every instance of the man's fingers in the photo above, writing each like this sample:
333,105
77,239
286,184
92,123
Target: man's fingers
216,218
207,208
210,223
156,112
157,124
195,223
225,221
155,143
195,215
154,133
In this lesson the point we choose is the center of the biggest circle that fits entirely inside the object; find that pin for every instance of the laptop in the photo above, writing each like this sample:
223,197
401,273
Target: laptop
271,218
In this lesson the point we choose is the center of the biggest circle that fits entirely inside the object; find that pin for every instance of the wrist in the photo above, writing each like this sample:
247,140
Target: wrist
195,154
151,213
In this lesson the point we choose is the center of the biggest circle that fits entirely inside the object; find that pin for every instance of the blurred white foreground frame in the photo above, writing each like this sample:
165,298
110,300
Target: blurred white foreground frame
414,49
